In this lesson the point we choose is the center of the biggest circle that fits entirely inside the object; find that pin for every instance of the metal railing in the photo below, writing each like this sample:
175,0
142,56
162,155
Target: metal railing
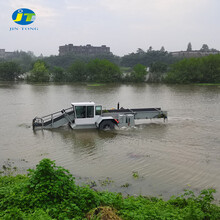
49,119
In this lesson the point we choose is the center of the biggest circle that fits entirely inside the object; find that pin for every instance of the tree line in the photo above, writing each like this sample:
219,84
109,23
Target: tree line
153,66
97,70
195,70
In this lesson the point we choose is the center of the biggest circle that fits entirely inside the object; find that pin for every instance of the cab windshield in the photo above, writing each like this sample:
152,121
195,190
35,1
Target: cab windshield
84,111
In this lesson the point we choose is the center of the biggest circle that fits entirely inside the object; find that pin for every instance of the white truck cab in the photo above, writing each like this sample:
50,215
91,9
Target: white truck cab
88,115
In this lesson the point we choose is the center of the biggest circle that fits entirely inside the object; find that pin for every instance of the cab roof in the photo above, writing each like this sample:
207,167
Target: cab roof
83,103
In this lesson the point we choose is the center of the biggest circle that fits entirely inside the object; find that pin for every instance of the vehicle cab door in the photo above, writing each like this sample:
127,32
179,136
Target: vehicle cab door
87,115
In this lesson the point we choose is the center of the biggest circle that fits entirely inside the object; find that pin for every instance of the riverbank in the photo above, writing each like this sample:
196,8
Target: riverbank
207,84
50,192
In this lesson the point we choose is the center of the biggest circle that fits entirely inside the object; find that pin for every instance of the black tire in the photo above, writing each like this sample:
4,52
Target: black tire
107,125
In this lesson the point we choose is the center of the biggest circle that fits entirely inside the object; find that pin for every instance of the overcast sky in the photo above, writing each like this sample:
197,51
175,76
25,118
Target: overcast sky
123,25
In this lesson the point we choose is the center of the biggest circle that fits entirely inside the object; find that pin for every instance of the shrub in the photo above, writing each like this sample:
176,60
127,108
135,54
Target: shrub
49,192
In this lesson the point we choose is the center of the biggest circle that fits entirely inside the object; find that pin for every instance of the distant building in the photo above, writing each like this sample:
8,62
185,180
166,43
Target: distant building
83,50
4,54
193,53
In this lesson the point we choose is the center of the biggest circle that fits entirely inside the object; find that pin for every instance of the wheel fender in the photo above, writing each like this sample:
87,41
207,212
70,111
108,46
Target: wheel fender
101,119
107,124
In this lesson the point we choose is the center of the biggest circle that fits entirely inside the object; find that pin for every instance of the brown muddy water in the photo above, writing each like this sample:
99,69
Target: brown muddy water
183,153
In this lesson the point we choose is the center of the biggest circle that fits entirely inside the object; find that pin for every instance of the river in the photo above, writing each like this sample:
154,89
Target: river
182,153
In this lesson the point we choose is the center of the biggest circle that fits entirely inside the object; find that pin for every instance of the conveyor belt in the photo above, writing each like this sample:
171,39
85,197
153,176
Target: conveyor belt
57,118
52,118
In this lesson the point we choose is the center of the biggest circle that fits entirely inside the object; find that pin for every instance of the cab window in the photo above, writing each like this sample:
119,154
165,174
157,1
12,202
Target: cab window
90,111
80,111
98,110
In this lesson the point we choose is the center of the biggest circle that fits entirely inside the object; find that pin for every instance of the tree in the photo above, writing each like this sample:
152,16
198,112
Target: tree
39,73
140,51
58,74
22,58
9,71
139,73
103,71
213,50
31,54
147,58
195,70
67,60
205,48
162,49
189,47
77,72
150,49
158,67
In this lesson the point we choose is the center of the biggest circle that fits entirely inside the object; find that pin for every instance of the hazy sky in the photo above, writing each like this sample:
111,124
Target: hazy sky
123,25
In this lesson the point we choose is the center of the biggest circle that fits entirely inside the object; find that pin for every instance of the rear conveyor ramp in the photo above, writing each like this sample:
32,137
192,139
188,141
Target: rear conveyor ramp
54,120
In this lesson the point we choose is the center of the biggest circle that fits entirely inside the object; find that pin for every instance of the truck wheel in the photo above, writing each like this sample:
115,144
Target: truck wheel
107,125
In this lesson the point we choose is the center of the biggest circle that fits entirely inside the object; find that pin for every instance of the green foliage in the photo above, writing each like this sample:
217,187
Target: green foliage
97,70
103,71
139,73
106,181
135,174
49,192
58,74
24,59
77,72
8,169
158,67
49,183
195,70
39,73
126,185
38,214
157,71
197,207
67,60
147,58
9,71
48,188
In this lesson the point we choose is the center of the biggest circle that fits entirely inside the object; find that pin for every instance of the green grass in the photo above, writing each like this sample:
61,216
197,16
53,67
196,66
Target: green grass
50,192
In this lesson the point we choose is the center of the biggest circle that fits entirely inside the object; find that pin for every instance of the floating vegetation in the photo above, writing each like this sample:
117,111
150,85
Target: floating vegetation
126,185
106,181
93,184
135,174
24,160
8,170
